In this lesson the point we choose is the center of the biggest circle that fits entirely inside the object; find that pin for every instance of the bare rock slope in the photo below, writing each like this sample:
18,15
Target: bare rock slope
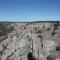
32,41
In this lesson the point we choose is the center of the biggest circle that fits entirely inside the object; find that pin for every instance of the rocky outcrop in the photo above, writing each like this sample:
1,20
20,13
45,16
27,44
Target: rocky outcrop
32,42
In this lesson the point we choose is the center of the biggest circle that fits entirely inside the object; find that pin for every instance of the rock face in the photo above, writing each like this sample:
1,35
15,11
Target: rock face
32,41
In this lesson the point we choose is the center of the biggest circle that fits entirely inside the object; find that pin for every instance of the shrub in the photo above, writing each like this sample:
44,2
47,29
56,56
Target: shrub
50,58
58,48
53,33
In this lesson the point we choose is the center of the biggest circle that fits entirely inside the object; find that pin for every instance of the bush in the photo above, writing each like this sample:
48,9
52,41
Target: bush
58,48
50,58
53,33
39,31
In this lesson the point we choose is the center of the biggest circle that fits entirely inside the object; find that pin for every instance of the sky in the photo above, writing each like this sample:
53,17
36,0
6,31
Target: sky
29,10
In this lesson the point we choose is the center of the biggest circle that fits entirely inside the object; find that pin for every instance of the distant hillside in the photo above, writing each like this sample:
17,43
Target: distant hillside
5,28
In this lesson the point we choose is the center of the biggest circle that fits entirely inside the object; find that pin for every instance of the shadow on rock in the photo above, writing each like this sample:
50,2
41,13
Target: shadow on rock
30,57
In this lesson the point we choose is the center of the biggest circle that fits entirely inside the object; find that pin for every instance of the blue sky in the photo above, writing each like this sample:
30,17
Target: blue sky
29,10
